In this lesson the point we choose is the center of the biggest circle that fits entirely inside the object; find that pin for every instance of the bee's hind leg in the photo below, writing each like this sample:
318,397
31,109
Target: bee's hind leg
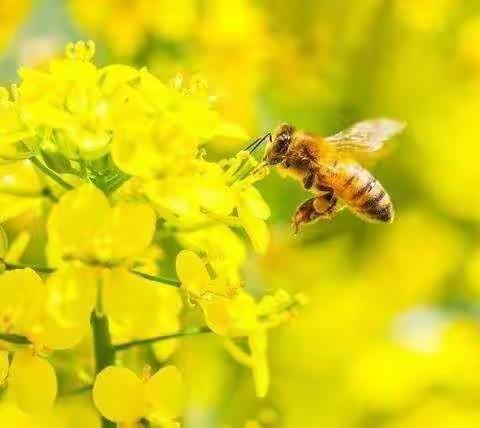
321,207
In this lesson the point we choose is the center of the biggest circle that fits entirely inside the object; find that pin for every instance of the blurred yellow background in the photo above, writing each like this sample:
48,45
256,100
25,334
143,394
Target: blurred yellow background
390,337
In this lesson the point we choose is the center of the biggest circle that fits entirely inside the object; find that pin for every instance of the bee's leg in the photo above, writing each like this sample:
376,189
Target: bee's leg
322,207
325,203
308,181
305,213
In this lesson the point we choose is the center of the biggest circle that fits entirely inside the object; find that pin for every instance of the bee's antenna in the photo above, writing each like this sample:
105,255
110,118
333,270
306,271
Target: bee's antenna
256,144
252,144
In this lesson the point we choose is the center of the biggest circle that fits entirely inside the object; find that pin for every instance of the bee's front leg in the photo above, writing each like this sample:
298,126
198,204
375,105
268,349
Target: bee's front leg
322,207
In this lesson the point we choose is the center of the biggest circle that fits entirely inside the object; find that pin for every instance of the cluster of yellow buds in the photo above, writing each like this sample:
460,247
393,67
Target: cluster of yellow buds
110,161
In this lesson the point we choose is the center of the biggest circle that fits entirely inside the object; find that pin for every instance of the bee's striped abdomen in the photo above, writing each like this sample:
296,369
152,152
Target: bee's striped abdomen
364,195
378,207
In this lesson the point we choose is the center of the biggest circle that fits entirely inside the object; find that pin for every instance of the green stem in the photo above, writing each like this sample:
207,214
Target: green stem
103,349
127,345
83,169
166,281
52,174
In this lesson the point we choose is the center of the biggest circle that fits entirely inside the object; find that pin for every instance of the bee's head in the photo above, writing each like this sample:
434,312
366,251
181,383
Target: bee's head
277,147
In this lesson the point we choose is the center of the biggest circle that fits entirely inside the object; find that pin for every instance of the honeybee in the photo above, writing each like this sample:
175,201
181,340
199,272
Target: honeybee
329,168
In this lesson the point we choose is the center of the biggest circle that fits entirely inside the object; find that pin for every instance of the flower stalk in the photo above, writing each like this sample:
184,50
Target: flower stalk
103,349
52,174
128,345
159,279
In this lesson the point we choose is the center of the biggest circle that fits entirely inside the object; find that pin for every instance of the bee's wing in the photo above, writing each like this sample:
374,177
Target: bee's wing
364,137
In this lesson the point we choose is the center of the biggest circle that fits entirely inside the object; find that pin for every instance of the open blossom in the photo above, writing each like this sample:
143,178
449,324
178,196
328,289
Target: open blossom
211,195
102,252
170,122
122,397
24,312
113,235
232,313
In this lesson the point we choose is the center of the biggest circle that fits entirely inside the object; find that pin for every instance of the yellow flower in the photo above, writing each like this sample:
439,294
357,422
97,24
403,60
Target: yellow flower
50,315
229,310
230,316
192,273
158,131
181,199
15,136
211,194
243,171
232,313
223,248
23,312
253,211
102,251
122,397
66,106
21,191
84,226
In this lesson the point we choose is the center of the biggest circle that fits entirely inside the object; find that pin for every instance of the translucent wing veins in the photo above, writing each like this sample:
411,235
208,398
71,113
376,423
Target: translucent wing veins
366,136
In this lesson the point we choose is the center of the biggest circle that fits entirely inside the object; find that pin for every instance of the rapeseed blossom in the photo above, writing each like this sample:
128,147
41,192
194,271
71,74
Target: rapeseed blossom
122,397
233,313
24,313
111,162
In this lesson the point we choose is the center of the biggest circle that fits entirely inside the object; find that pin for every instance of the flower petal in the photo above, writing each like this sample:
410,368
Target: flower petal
118,394
22,296
78,224
192,272
33,381
132,228
164,393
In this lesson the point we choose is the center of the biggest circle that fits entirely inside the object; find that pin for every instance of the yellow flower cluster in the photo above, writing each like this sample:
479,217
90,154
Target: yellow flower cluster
118,176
